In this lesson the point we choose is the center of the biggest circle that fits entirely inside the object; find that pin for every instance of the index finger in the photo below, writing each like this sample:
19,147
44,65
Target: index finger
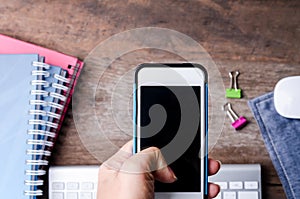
213,166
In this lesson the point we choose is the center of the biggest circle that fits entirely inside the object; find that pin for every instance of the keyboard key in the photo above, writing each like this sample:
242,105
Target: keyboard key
72,195
236,185
58,186
72,185
87,186
76,182
57,195
248,195
251,185
241,179
229,195
86,195
223,185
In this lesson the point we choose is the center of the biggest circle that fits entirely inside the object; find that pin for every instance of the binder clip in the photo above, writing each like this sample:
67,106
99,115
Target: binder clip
233,91
237,122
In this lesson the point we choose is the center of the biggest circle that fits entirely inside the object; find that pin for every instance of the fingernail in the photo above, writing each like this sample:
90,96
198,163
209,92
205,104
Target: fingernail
173,174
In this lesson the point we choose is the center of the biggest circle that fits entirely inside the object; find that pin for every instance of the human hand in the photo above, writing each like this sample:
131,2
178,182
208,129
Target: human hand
127,176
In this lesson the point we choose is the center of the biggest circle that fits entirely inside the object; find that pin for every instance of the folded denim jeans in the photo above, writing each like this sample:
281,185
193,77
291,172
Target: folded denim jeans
282,139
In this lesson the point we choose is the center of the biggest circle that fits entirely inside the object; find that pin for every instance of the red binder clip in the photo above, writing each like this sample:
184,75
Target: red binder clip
237,122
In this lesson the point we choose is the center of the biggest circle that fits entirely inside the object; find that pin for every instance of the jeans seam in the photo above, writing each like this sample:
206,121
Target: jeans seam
272,144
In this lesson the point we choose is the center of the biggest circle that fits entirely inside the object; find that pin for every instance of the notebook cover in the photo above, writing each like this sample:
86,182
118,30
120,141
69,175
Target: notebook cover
15,89
13,46
10,45
51,109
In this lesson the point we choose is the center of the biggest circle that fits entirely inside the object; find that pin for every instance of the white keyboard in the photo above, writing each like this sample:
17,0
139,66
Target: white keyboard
73,182
238,181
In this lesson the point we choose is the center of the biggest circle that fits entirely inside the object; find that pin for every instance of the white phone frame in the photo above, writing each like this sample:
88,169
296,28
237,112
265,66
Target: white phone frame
153,75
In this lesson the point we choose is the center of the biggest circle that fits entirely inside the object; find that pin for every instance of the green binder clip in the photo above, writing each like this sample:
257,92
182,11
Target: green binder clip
233,91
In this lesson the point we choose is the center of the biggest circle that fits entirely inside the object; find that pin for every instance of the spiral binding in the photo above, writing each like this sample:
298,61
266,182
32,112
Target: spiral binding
38,147
61,78
38,152
44,104
45,113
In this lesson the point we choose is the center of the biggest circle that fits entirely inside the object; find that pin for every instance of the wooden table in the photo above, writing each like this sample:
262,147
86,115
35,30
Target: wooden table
259,38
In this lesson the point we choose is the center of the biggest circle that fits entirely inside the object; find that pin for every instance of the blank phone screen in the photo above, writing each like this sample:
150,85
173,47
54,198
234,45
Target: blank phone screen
161,112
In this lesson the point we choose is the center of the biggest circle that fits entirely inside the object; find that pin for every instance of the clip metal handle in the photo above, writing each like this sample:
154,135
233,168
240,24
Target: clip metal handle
237,122
234,91
233,79
229,111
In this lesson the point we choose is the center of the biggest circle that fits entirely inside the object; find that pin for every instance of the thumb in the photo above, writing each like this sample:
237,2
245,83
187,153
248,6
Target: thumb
165,175
152,161
160,170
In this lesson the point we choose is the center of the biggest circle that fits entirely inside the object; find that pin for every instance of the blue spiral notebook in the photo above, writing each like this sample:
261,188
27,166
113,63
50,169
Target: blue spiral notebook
31,96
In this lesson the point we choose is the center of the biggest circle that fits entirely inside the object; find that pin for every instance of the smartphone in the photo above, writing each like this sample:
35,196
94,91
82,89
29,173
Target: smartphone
170,112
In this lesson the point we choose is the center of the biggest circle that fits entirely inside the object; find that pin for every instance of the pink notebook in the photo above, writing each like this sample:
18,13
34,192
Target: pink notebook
10,45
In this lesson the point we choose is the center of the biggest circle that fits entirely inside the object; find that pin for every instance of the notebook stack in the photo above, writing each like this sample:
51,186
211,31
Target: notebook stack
36,87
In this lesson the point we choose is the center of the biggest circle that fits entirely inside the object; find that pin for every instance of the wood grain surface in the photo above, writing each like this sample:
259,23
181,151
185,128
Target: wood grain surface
261,39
